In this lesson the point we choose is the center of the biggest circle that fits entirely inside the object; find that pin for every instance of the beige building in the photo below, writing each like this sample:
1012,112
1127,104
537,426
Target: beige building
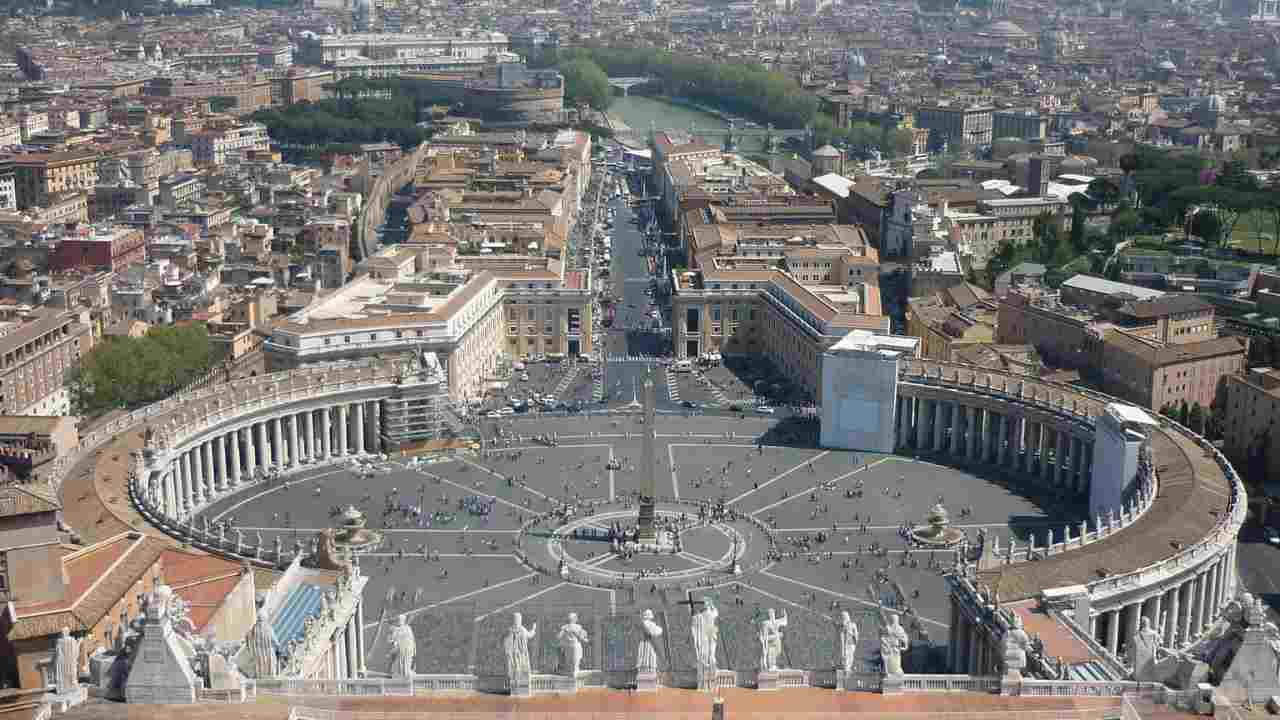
1249,413
1156,351
950,319
769,313
469,317
39,177
35,355
958,125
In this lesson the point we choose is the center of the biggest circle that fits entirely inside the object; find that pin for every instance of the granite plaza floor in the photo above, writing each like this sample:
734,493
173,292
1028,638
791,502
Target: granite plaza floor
454,573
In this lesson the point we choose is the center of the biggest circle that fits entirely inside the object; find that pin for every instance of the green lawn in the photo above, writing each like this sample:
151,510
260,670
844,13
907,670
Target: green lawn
1255,232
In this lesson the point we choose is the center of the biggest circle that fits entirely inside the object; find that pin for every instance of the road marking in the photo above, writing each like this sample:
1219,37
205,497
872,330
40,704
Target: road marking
697,558
611,471
781,599
781,475
473,490
842,596
671,461
409,556
456,598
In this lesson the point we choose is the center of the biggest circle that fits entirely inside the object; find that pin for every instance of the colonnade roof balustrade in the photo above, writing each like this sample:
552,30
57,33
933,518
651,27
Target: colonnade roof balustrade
1197,511
90,480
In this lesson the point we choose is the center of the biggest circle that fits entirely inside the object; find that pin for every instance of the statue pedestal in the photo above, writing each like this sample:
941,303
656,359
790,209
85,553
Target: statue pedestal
1011,683
646,681
707,679
521,685
767,680
891,685
846,680
64,701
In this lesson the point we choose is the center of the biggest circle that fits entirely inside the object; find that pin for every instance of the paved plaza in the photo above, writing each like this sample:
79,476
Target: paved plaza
813,532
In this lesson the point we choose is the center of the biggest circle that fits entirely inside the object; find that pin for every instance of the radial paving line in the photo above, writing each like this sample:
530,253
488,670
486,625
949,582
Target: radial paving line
524,599
278,486
805,492
781,475
463,596
842,596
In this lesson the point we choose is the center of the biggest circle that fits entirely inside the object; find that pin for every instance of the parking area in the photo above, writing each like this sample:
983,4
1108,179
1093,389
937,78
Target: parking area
543,385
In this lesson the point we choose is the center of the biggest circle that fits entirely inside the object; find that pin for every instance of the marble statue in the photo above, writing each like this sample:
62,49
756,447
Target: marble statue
771,639
403,648
848,641
706,636
893,642
264,647
66,663
1142,650
647,654
1016,642
517,646
572,637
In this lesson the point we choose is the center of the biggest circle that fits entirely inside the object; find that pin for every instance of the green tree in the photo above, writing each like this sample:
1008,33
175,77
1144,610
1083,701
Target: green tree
1183,412
1195,418
129,372
221,103
585,82
1207,226
1124,223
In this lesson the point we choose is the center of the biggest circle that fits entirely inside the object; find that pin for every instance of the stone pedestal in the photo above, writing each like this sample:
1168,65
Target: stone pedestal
646,681
64,701
706,679
521,685
767,680
1011,683
891,685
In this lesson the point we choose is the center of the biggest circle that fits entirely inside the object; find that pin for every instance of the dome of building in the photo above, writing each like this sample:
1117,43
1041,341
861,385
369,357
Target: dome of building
826,151
1005,29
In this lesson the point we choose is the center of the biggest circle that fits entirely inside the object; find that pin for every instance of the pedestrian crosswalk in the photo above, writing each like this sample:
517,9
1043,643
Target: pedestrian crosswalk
673,387
597,388
632,358
721,399
566,381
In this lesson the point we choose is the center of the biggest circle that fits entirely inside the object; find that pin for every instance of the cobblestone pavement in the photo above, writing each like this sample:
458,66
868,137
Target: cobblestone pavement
449,557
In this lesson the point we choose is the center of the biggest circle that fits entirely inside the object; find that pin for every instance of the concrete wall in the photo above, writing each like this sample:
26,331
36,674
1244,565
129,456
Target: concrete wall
859,415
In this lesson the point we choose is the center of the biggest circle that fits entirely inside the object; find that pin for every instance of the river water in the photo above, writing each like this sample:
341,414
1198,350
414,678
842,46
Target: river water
641,113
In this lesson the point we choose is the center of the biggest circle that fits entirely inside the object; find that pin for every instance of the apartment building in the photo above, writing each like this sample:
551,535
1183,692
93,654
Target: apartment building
956,125
10,132
8,186
99,247
952,319
1249,414
979,234
36,352
38,177
769,313
211,147
468,317
1155,351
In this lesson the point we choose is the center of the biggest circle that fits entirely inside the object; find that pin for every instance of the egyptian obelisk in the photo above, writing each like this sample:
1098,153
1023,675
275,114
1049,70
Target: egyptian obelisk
649,470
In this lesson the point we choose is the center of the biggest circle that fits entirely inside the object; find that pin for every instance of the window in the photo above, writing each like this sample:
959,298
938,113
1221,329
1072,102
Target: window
346,338
326,341
532,314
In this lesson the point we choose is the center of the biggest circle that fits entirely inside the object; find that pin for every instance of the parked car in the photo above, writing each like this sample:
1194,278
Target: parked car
764,410
1272,535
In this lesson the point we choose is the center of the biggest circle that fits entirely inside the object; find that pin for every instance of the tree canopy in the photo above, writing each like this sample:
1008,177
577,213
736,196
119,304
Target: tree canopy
125,372
585,82
751,90
346,120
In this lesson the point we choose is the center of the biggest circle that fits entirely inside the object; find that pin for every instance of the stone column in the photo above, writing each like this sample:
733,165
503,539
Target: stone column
938,427
309,432
251,450
352,664
975,650
1046,444
1113,632
277,442
220,462
1210,597
1134,612
1062,463
1187,590
1205,607
326,434
955,446
900,439
989,425
343,422
172,495
207,475
360,637
374,415
953,638
1172,624
1002,440
234,437
359,427
974,432
187,476
1157,601
1031,431
295,442
1077,479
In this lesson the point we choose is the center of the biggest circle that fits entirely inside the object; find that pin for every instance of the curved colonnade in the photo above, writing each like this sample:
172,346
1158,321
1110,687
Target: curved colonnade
1168,555
1161,556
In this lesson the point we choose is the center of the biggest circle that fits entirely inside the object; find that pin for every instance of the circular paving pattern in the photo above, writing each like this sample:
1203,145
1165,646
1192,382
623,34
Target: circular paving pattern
458,574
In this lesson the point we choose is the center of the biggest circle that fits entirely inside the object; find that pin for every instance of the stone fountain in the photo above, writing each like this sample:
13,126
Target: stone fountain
936,532
336,546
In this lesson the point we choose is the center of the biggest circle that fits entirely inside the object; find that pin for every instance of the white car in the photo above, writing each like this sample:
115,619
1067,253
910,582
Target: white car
493,414
507,411
524,377
764,410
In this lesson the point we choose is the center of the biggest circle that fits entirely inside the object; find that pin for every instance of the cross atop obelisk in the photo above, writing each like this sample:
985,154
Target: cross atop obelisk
649,469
